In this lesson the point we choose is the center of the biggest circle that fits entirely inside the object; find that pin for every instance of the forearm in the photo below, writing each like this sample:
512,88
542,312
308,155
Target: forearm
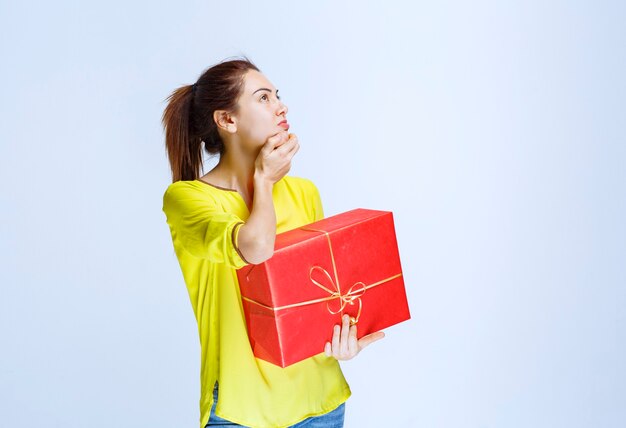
257,236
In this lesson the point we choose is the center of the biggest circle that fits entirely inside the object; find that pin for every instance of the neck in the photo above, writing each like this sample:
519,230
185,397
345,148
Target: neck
236,170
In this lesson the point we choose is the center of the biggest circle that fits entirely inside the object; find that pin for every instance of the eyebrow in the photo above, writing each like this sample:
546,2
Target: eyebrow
264,89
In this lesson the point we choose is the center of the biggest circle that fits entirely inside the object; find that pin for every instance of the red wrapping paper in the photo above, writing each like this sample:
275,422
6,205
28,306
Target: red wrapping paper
346,263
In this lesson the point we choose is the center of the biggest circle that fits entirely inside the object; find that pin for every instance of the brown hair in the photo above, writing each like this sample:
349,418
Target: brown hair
188,117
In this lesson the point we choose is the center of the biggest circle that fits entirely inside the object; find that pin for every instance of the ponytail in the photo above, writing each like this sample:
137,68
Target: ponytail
183,150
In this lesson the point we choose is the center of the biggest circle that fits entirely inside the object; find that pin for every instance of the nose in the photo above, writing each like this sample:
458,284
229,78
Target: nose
282,108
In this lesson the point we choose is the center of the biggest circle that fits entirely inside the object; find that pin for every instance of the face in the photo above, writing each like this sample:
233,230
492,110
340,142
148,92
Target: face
260,111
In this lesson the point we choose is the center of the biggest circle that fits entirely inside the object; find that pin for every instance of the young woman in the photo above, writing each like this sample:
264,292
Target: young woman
229,218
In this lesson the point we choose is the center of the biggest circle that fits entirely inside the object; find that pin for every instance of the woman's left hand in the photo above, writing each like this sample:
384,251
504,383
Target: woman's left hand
344,344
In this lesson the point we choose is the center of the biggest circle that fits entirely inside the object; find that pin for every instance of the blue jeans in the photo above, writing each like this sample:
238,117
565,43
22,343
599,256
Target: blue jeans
332,419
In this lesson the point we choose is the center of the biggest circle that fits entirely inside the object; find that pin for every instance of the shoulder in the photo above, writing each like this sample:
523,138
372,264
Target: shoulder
177,189
187,192
188,187
173,187
307,196
305,185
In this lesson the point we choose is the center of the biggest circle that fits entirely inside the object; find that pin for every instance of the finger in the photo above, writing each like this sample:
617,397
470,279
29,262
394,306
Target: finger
295,147
275,139
284,139
286,147
345,331
270,145
327,349
335,342
369,339
353,345
278,139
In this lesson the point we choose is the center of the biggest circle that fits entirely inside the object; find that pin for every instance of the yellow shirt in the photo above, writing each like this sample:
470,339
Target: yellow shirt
204,222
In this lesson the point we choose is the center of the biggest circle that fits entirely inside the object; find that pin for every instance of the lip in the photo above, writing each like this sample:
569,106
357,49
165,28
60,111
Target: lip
284,124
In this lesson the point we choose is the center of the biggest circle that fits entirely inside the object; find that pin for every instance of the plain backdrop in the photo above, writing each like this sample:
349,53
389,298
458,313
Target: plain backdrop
494,132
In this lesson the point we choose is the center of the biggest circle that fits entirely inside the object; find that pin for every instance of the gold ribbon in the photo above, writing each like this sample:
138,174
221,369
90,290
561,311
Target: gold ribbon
349,297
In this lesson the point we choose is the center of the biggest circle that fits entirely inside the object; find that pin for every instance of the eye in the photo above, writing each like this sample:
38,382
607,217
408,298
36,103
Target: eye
265,96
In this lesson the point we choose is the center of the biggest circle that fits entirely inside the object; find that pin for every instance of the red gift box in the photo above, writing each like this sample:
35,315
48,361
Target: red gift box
346,263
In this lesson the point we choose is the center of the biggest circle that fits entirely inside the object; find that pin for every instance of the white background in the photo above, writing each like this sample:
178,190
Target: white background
494,131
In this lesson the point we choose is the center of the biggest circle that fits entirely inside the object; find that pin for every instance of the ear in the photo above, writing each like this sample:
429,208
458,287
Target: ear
225,121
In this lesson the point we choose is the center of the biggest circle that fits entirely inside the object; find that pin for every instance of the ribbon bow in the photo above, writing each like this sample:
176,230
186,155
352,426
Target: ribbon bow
347,298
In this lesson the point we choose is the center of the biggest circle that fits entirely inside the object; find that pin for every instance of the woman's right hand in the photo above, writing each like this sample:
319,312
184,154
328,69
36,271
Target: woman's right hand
257,236
274,159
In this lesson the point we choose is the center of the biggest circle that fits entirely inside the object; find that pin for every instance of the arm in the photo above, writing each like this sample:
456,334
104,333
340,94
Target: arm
256,237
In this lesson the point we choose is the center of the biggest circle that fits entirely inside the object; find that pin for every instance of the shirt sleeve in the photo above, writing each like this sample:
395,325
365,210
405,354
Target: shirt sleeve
201,227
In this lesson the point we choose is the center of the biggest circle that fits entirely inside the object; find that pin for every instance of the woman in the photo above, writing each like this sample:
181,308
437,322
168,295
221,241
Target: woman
228,218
